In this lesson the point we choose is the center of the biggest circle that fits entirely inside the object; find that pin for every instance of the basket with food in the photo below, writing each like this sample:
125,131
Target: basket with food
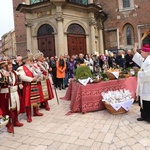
112,73
4,121
117,102
97,80
111,110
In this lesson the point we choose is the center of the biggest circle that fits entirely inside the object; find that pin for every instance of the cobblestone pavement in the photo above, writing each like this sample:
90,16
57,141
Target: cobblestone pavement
91,131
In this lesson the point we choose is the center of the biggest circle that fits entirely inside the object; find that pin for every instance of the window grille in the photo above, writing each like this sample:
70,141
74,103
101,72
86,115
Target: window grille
75,29
129,36
126,3
36,1
83,2
45,30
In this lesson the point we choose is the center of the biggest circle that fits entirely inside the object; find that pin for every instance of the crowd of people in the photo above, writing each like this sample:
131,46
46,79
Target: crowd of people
97,64
25,81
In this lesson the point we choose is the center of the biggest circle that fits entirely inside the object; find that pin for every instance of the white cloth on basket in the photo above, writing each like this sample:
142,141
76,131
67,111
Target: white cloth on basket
126,105
116,74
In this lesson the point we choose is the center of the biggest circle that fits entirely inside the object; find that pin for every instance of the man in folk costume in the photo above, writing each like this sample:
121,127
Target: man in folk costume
1,113
10,108
32,90
143,87
46,84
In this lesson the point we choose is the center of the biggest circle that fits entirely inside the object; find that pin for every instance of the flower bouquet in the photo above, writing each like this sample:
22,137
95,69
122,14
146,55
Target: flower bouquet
4,121
117,102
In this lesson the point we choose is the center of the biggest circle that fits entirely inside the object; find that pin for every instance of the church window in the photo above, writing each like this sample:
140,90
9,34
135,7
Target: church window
82,2
45,30
36,1
126,3
75,29
128,32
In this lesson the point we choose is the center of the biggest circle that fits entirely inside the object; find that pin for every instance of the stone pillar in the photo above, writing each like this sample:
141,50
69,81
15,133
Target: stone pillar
29,36
27,2
60,34
101,41
92,37
90,1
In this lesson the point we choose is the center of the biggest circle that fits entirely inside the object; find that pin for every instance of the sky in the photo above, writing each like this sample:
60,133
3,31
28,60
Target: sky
6,17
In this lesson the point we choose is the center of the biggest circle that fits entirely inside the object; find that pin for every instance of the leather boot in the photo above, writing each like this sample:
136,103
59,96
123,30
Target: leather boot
28,113
36,112
42,105
46,106
16,122
9,127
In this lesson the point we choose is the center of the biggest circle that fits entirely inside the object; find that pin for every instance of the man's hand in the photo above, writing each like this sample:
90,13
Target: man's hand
44,77
6,74
135,49
35,78
20,86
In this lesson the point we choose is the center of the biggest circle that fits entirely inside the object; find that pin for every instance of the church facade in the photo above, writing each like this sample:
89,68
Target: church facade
63,26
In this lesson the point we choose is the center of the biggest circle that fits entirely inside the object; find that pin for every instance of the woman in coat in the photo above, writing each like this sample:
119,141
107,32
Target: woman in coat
60,73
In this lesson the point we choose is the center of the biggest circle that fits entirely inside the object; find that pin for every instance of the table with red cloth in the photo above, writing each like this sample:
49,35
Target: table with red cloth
88,98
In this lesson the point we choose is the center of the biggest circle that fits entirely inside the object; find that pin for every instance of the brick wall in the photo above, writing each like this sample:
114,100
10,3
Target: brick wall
118,19
20,29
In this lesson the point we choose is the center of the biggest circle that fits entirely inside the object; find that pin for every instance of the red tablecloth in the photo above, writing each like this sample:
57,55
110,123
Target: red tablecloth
88,98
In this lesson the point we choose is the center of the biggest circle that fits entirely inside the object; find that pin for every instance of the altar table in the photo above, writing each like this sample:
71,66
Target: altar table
88,98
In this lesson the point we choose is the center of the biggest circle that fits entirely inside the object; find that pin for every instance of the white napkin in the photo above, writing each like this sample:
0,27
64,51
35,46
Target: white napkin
116,106
116,74
126,105
85,81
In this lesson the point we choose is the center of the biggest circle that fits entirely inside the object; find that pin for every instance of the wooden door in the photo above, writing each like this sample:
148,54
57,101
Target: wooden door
76,44
46,45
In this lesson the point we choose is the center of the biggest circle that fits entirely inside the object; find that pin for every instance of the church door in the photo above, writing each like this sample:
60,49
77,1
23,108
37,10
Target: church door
46,42
76,40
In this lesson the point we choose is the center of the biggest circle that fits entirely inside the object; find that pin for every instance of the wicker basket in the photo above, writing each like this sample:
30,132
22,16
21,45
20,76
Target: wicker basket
111,110
110,76
97,80
4,124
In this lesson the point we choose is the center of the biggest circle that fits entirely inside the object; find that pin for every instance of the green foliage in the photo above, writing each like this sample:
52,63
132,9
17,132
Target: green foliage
83,72
103,75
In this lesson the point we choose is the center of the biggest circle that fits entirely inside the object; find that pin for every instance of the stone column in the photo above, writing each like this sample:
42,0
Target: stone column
101,41
60,34
27,2
29,36
92,37
90,1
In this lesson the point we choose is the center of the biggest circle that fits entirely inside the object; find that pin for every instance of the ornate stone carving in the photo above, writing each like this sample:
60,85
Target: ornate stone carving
40,14
59,18
92,22
28,24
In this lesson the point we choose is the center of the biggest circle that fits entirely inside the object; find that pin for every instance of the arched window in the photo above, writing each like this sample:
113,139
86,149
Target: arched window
45,29
129,38
75,29
126,3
